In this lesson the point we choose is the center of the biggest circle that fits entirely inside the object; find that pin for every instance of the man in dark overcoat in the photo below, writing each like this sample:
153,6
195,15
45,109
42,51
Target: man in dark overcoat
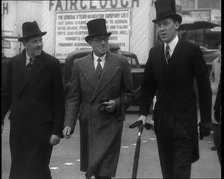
32,90
101,85
170,72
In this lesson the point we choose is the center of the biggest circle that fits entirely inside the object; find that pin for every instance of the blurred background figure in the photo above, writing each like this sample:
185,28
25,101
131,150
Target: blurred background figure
217,126
215,79
216,70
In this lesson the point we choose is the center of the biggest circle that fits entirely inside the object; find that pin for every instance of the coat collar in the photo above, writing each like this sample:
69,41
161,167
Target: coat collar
111,67
170,70
38,65
88,70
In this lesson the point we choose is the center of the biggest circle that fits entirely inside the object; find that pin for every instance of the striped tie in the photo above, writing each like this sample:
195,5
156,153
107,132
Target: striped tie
167,54
28,66
99,68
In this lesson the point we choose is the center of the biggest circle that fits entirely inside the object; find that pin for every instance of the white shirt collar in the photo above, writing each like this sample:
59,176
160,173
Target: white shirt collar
96,62
172,44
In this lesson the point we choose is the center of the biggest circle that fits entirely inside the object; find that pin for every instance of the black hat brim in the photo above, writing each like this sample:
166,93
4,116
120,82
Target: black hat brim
175,16
87,38
21,39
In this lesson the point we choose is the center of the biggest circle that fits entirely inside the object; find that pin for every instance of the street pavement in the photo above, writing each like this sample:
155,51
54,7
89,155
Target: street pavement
65,160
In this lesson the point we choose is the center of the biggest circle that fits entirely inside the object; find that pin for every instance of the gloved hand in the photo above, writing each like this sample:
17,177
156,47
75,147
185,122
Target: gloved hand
204,129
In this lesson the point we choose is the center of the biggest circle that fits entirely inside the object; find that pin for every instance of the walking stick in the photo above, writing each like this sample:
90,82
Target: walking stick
138,144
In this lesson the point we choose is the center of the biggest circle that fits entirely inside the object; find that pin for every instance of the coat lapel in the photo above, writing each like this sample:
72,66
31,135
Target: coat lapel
163,63
176,56
39,63
21,67
88,70
110,69
170,69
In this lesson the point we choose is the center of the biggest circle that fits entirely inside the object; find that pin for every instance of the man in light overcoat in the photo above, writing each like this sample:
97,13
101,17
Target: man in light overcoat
101,87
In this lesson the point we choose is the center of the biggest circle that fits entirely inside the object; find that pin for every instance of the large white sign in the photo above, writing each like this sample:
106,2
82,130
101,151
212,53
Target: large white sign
71,29
190,16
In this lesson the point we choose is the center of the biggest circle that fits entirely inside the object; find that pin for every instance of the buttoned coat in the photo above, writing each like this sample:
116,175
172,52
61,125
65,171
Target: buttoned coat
174,87
35,99
100,131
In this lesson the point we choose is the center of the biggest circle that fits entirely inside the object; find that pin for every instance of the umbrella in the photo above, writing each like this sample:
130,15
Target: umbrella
138,144
198,25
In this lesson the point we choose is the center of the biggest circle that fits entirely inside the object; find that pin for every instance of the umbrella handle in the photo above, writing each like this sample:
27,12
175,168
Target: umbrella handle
140,129
138,123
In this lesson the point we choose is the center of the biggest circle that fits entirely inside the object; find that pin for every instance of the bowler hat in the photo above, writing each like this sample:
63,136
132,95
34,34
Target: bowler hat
30,29
165,9
97,27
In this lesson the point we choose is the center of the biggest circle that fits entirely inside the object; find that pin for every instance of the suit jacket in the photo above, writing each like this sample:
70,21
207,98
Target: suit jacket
100,131
174,89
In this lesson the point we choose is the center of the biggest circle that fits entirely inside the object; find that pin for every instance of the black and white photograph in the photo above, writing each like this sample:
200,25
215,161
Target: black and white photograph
111,89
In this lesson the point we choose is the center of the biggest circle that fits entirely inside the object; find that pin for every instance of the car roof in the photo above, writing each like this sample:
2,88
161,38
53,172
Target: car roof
126,53
84,52
79,53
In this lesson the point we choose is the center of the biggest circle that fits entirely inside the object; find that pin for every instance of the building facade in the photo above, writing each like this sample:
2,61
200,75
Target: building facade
130,22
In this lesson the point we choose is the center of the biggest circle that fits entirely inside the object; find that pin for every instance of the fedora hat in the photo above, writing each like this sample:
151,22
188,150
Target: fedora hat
30,29
165,9
96,27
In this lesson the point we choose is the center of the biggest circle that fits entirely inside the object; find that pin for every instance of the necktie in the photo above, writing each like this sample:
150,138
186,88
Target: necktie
98,68
167,54
28,66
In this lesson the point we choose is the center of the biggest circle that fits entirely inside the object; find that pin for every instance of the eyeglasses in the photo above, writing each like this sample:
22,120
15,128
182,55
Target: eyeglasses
100,39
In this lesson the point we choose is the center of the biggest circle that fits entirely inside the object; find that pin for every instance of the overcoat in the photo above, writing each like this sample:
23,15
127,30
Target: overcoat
35,99
100,131
174,87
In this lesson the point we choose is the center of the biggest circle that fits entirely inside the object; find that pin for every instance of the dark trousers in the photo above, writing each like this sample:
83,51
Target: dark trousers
175,152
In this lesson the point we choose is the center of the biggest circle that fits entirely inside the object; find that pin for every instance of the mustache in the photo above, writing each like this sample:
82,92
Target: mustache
39,48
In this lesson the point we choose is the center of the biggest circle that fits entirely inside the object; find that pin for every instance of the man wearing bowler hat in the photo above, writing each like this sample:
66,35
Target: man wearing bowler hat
101,85
32,90
169,73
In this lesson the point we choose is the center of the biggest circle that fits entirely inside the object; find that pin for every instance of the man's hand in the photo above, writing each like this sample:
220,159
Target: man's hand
142,118
54,140
67,132
204,130
110,105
